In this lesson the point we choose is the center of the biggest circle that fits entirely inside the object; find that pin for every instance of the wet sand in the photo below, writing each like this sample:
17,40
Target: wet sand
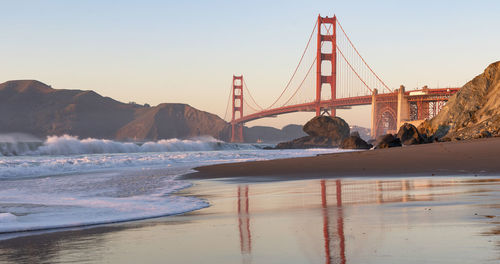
362,220
475,157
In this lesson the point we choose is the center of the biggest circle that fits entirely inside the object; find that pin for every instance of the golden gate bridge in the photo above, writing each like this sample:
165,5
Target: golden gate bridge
340,67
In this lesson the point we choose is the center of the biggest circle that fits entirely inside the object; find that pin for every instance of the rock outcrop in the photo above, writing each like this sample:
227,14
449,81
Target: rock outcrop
473,112
387,141
307,142
354,141
323,132
334,128
408,134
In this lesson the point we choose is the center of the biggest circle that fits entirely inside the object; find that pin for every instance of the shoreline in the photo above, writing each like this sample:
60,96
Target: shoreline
465,158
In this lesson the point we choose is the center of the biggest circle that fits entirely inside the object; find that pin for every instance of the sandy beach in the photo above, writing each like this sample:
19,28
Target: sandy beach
474,157
362,220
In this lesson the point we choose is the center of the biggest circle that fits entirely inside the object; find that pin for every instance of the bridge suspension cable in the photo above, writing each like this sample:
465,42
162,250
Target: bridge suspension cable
353,77
359,77
307,73
301,83
253,108
250,94
357,52
228,102
296,68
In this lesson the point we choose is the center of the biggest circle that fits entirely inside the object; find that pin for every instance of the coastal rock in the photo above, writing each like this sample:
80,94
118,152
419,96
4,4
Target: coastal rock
471,112
363,132
387,141
307,142
409,135
323,132
355,142
334,128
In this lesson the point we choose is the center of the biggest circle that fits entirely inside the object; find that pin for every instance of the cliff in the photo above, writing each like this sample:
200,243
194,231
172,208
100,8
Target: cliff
473,112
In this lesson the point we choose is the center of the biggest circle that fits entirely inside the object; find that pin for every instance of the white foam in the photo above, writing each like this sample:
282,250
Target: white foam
7,217
71,145
74,201
15,167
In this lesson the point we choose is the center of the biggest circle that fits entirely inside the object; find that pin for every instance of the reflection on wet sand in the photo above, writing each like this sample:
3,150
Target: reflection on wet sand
244,224
311,221
340,225
355,193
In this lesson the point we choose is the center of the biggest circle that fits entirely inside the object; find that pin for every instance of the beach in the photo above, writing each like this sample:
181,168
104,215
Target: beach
376,206
369,220
472,158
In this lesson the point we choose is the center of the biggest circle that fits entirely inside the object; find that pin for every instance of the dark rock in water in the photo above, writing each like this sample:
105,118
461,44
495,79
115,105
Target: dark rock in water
307,142
388,141
334,128
409,135
355,142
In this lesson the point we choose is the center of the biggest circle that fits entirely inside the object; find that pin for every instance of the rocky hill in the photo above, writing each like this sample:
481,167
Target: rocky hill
29,106
473,112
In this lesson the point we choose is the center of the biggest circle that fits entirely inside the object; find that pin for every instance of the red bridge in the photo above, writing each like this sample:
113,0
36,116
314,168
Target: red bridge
351,82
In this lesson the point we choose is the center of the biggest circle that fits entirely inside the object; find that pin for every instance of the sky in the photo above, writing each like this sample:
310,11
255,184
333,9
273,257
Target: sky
187,51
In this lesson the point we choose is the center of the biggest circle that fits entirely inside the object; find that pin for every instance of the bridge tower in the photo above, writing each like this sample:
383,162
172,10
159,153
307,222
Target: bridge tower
236,128
329,57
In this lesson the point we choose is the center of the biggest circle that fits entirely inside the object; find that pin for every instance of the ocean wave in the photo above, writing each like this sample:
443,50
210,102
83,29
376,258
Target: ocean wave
55,203
72,145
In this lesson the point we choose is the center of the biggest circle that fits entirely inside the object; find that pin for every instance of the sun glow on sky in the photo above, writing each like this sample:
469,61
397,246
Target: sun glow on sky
186,52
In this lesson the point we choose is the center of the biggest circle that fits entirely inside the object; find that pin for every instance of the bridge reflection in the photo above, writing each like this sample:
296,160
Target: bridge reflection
335,195
246,236
244,223
329,258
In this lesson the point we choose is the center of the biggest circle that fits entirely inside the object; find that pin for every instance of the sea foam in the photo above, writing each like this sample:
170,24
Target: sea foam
72,145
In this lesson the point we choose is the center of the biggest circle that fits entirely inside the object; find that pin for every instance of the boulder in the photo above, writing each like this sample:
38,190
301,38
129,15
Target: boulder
355,142
307,142
334,128
387,141
409,135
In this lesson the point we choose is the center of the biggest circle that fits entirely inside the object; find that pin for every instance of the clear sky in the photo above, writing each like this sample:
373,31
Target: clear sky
187,51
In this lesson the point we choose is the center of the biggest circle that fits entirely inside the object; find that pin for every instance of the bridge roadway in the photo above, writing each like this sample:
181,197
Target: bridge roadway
306,107
425,95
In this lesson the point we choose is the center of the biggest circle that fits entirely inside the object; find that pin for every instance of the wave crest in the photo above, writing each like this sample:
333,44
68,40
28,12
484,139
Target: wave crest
72,145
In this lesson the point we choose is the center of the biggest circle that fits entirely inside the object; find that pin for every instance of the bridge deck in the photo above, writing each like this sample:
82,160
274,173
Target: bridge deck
417,95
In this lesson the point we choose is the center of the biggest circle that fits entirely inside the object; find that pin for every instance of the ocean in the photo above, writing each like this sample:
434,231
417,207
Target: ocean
66,182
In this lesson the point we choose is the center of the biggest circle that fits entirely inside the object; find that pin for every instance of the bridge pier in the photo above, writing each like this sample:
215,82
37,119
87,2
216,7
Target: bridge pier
331,57
391,110
403,107
373,130
237,128
237,133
